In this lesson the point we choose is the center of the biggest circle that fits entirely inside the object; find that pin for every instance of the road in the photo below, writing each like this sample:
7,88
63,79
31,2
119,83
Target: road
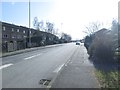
27,69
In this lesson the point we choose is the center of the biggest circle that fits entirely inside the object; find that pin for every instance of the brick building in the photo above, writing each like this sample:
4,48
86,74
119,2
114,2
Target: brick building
16,37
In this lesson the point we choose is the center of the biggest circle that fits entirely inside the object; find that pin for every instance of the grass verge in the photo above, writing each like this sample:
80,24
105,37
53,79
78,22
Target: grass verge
108,79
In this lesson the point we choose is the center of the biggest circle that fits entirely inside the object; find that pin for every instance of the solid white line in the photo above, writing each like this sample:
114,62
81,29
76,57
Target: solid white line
4,66
31,56
58,69
68,62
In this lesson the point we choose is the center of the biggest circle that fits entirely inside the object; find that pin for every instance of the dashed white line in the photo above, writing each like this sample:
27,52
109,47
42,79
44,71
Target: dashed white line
31,56
58,69
6,65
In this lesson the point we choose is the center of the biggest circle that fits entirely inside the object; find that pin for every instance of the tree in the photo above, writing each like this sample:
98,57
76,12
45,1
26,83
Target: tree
41,23
114,26
49,27
114,33
92,28
55,31
38,25
66,37
103,43
35,23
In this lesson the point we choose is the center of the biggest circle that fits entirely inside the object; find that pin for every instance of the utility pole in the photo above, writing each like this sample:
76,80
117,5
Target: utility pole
29,28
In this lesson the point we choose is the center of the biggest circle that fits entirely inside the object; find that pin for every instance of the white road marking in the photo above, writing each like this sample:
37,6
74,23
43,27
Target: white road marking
65,65
4,66
44,82
68,62
58,69
32,56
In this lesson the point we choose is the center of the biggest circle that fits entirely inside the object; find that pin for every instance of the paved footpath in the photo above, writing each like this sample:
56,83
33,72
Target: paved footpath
78,72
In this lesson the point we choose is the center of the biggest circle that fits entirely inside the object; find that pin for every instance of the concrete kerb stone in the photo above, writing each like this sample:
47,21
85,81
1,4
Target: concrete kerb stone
28,50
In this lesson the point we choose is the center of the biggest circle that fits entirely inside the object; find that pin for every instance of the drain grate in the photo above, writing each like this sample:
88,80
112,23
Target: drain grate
44,82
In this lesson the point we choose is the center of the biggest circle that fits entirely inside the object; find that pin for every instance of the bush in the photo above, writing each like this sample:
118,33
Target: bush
88,41
91,50
103,50
102,47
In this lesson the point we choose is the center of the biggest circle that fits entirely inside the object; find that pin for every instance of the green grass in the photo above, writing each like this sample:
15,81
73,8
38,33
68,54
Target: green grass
117,53
109,79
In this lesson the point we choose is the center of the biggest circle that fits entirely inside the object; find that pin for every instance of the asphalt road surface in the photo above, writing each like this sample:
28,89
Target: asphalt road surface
27,69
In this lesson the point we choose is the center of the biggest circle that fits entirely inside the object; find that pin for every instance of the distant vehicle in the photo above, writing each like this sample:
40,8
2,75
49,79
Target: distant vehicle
77,43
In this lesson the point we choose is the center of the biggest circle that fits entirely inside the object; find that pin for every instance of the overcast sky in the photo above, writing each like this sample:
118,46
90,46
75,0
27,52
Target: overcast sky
70,16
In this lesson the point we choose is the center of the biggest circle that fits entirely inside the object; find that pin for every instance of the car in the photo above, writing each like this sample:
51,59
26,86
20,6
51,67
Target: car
77,43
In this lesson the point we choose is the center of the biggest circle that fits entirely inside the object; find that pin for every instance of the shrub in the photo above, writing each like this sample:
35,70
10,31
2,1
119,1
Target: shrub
88,41
91,50
102,47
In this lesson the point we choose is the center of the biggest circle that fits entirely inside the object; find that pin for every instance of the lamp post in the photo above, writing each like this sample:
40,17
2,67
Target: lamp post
29,28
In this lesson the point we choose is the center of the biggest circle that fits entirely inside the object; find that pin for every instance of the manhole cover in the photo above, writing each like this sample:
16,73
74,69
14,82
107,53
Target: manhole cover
44,82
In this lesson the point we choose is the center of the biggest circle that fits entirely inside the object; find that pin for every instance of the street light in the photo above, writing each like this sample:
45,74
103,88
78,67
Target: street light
29,28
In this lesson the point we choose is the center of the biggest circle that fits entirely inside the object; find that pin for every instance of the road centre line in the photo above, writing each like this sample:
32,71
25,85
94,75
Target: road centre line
58,69
6,65
32,56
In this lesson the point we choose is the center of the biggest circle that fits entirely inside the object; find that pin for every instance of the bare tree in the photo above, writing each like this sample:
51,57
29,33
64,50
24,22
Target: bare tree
41,25
66,37
50,27
35,23
115,32
92,28
38,25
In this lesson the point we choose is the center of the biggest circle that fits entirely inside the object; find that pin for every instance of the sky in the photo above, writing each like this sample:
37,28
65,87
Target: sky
69,16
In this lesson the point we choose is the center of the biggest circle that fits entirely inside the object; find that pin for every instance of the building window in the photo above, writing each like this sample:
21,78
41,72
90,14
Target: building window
4,28
5,36
12,29
17,30
30,32
24,31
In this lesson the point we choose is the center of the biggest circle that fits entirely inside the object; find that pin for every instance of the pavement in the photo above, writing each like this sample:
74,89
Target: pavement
78,72
27,50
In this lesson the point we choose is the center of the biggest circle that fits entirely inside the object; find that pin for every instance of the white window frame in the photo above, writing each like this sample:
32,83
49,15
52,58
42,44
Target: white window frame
24,31
12,29
18,30
30,32
4,28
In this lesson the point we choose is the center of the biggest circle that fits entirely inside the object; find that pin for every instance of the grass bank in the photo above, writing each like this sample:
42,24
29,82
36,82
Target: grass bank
109,79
